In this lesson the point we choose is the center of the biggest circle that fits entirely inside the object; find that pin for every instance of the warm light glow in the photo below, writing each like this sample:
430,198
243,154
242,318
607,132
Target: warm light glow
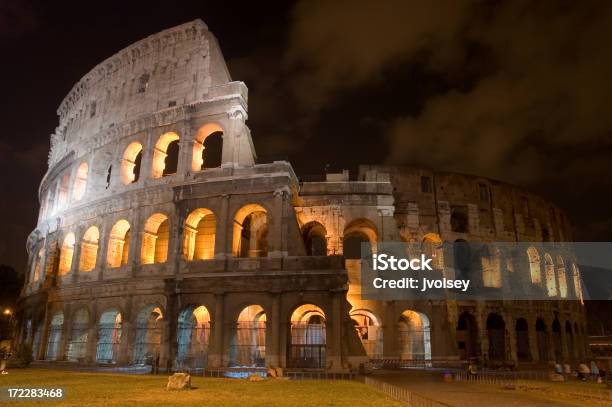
7,311
199,235
534,265
250,232
551,279
198,144
89,249
80,182
155,239
118,244
128,164
66,254
160,152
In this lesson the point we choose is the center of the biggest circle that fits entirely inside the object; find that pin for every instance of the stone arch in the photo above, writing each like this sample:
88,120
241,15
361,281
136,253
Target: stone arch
307,337
490,262
207,147
467,336
131,163
199,235
193,338
109,336
314,235
250,237
147,341
551,279
37,263
496,330
80,181
522,340
414,336
63,193
66,254
369,330
561,277
357,232
166,155
54,336
248,339
542,339
534,265
76,349
89,249
118,244
155,239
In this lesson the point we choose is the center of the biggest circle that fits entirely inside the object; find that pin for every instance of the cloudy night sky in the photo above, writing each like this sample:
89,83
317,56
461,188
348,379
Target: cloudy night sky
518,91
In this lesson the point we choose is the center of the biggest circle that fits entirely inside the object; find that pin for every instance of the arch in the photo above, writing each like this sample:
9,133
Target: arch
89,249
80,182
199,235
207,147
66,254
248,340
490,262
147,340
542,339
308,337
131,163
155,239
165,155
433,247
551,279
118,244
414,336
467,336
193,338
250,232
54,336
561,277
77,346
534,265
357,232
496,330
369,331
37,264
577,283
314,235
109,336
522,340
63,190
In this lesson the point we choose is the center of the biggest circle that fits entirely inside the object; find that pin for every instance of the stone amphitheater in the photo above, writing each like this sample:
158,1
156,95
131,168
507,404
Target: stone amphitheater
161,240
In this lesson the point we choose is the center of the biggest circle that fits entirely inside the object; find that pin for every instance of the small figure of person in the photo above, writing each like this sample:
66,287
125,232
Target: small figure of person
583,371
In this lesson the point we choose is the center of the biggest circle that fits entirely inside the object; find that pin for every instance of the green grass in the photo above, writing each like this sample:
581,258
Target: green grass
109,390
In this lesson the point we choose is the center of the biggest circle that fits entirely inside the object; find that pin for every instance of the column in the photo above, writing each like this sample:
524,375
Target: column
224,227
215,358
273,330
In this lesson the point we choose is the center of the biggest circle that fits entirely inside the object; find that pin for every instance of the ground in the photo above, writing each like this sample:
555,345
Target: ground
109,390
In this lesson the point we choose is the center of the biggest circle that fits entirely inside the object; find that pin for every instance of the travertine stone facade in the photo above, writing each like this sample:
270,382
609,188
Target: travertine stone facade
145,252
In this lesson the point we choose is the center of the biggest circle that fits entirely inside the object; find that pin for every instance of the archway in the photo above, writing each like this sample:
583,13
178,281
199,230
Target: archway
119,244
155,239
248,342
551,279
308,336
522,340
89,249
467,336
368,329
490,262
207,147
80,182
414,336
534,265
54,336
148,336
496,330
166,155
66,254
315,239
77,347
251,232
131,163
562,277
193,338
355,233
199,235
109,336
542,338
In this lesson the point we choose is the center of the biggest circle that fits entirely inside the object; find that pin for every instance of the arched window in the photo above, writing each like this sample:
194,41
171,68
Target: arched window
77,347
248,342
54,336
155,239
193,338
199,235
551,279
491,267
308,338
80,182
562,277
577,283
414,336
207,147
357,232
315,240
37,264
369,331
89,249
118,244
63,192
165,155
131,162
250,232
109,336
66,254
534,265
148,335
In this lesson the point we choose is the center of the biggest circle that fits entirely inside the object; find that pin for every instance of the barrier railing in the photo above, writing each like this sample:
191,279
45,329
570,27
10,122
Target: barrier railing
291,374
402,394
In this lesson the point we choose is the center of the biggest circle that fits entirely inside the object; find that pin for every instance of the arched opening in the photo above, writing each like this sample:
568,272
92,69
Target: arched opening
491,267
109,336
542,338
577,283
462,259
54,336
315,239
551,279
89,249
534,265
80,182
414,336
369,332
64,187
557,342
155,239
131,163
248,342
459,219
433,248
562,277
522,340
66,254
118,244
251,232
193,338
148,336
467,336
207,147
77,347
308,338
37,264
355,233
165,155
52,256
496,330
569,335
199,235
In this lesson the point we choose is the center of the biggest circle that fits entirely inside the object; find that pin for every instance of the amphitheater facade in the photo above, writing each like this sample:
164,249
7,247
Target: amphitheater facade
161,239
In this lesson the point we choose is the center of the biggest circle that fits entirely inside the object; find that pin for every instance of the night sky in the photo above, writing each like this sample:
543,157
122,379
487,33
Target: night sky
518,91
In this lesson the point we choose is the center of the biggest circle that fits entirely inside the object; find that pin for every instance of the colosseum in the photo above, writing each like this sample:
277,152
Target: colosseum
161,240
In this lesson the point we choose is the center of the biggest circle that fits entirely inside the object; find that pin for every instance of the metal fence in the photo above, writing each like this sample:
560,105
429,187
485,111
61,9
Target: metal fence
402,394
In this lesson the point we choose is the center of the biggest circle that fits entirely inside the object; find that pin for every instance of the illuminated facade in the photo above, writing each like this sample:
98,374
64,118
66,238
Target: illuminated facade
162,240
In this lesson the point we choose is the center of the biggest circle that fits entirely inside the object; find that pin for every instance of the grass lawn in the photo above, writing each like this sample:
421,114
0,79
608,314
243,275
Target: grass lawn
101,389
